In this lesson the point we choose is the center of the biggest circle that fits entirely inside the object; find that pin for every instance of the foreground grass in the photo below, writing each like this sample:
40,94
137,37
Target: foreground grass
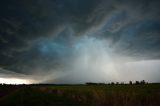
81,95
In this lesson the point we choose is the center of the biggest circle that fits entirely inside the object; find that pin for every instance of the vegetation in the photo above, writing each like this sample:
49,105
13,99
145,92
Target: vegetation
90,94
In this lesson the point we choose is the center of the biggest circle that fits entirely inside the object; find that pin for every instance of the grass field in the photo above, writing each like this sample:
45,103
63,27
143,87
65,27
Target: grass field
80,95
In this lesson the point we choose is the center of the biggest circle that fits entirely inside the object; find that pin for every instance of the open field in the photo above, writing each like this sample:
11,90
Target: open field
80,95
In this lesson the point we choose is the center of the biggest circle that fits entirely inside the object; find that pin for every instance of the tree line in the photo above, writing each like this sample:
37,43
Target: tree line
118,83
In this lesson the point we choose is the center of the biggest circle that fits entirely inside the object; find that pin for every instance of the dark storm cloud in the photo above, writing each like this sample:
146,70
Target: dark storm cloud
38,35
21,22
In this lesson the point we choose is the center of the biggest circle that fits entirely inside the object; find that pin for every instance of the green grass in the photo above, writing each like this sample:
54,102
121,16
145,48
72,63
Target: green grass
81,95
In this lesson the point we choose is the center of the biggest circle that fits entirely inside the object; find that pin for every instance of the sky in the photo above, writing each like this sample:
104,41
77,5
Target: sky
78,41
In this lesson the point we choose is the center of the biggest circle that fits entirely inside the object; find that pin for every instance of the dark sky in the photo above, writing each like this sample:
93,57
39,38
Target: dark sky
75,41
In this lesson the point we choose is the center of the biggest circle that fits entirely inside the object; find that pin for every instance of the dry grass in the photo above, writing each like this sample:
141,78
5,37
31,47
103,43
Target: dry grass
97,95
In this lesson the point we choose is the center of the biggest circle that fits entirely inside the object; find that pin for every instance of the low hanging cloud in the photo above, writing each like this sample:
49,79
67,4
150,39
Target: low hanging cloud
75,41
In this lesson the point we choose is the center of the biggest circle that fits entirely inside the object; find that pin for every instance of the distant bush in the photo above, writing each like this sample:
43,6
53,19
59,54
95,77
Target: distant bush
137,82
93,83
130,82
140,82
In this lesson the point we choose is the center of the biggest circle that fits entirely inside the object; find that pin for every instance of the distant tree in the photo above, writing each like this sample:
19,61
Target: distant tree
117,83
143,82
137,82
112,83
130,82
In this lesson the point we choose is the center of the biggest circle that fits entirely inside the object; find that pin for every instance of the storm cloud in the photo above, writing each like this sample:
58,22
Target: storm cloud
75,41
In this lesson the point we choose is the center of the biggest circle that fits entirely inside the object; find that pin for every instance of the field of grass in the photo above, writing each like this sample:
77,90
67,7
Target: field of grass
80,95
